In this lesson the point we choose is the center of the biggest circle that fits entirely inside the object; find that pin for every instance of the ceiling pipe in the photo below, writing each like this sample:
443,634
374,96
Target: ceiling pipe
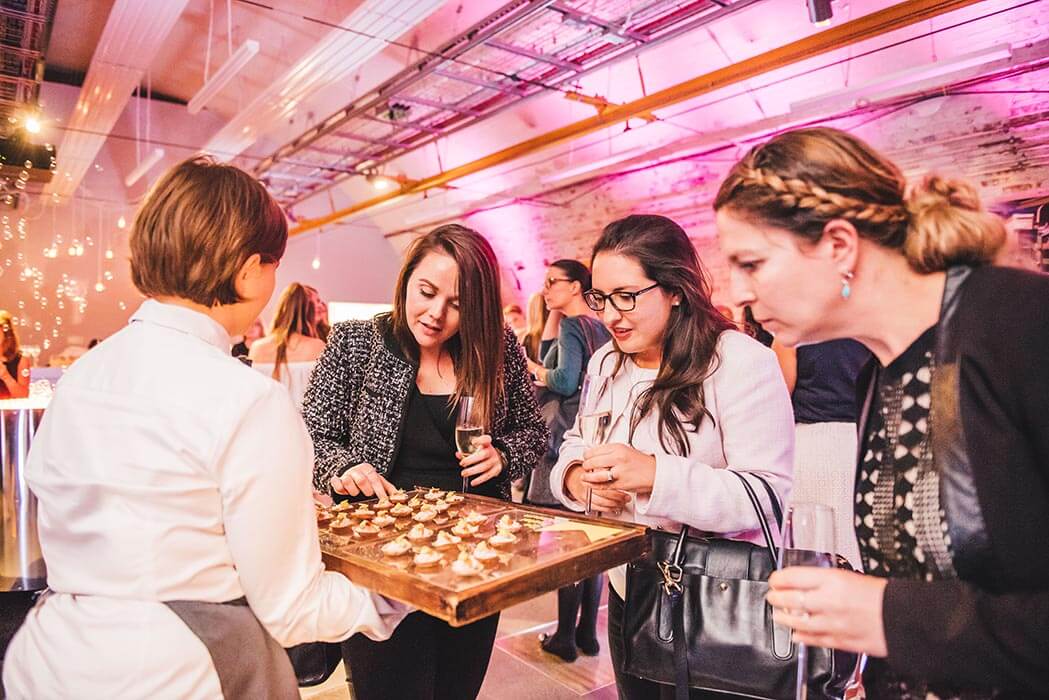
901,15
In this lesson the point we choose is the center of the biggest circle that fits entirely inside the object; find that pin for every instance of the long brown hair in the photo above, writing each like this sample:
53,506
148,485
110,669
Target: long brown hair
477,348
800,180
9,346
690,339
296,313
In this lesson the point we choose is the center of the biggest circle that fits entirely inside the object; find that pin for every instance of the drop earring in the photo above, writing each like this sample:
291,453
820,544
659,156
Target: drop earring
846,285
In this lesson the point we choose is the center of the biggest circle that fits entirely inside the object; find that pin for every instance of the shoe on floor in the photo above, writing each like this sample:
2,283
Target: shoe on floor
587,645
552,645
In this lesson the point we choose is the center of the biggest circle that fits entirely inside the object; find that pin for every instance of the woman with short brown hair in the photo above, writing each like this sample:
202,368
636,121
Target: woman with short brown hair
175,509
380,408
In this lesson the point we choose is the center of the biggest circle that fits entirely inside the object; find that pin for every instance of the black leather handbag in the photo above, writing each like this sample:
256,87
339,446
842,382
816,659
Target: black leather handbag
696,617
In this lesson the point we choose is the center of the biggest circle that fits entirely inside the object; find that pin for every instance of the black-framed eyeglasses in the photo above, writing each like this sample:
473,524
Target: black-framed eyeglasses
551,281
622,301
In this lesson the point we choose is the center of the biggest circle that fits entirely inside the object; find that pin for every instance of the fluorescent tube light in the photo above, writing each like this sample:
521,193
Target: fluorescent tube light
144,167
223,75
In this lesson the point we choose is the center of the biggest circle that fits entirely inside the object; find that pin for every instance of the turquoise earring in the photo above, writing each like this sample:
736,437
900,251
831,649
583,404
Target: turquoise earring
846,286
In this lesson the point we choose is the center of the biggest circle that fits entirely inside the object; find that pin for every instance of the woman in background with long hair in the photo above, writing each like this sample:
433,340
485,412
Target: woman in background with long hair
290,350
14,366
533,335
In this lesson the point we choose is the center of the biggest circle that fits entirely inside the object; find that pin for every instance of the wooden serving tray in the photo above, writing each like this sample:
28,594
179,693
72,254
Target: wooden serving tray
554,548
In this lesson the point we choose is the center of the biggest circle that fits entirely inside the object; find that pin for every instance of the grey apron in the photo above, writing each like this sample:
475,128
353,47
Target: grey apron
249,662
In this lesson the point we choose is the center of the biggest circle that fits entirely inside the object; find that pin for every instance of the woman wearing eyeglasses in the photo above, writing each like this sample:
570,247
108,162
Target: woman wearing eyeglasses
692,398
571,336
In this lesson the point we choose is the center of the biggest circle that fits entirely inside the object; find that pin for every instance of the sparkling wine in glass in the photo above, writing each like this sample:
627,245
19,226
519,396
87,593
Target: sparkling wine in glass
468,428
595,415
808,540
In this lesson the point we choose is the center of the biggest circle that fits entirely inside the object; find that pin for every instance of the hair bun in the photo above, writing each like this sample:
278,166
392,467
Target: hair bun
936,191
949,226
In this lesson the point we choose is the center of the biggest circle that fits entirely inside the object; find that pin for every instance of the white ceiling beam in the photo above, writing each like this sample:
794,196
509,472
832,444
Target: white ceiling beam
135,31
331,62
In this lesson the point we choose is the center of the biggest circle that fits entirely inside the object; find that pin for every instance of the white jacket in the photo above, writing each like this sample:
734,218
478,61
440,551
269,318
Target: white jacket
752,431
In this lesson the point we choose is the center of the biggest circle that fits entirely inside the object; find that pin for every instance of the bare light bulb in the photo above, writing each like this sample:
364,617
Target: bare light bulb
99,287
316,263
32,125
109,253
121,222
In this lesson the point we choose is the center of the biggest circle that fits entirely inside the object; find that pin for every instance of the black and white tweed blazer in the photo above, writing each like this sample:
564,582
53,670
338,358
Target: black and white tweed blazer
355,403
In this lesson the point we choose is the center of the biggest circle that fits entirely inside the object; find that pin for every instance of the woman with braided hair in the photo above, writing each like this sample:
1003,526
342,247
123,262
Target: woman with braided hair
826,241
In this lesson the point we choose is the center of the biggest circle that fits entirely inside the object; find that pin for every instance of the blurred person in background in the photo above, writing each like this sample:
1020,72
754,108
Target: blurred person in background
321,321
290,350
242,347
515,318
572,336
533,336
14,365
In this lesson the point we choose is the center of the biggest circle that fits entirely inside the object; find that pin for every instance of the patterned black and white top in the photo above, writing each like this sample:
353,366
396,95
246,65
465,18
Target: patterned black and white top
900,525
355,405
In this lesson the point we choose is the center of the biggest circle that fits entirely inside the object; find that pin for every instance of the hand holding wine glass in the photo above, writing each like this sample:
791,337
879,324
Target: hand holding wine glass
808,541
479,459
595,417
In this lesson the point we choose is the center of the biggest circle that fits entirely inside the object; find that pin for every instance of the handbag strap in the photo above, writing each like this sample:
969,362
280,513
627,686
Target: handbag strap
672,578
770,543
681,673
766,531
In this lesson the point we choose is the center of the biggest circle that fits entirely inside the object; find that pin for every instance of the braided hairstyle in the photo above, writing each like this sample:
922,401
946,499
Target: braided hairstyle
800,180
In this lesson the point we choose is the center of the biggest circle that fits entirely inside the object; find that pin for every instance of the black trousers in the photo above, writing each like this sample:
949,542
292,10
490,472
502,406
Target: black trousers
632,687
14,607
425,659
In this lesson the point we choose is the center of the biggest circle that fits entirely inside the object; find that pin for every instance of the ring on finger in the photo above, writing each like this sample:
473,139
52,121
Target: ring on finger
805,612
611,476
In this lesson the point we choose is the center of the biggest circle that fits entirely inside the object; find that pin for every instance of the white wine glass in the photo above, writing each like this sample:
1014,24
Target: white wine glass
468,428
595,416
808,540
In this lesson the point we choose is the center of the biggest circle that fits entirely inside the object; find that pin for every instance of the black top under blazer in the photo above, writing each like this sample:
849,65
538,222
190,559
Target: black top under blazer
990,439
354,406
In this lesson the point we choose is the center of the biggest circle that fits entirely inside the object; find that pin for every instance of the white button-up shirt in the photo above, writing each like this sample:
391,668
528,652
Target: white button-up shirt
167,470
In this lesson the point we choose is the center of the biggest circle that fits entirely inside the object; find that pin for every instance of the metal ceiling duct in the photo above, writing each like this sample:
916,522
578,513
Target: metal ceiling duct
524,49
134,33
902,14
335,57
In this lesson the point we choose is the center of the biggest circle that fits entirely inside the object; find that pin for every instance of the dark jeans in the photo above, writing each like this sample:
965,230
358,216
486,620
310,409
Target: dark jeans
632,687
425,659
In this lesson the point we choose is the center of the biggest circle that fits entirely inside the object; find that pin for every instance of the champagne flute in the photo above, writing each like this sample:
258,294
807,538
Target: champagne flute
808,540
467,429
595,416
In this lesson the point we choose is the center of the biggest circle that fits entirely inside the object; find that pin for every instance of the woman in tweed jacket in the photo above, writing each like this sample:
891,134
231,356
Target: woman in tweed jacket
380,411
